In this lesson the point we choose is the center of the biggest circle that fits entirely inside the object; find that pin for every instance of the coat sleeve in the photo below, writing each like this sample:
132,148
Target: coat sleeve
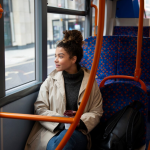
42,105
92,117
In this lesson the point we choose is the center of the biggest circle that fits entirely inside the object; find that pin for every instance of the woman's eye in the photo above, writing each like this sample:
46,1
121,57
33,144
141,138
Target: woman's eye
60,56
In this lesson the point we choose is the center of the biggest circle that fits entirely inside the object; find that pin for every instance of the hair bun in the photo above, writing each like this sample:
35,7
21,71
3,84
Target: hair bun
73,35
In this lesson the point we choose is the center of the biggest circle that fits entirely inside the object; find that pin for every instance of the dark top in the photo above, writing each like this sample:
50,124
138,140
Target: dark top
72,87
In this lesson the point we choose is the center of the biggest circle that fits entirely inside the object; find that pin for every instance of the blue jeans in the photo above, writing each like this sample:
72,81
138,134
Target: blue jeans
78,141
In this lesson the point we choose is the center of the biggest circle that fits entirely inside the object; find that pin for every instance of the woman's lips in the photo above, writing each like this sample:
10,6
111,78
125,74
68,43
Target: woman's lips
57,66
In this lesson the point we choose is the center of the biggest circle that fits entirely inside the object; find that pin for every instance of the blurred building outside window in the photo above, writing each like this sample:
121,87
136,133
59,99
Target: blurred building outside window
95,2
19,41
68,4
19,36
58,23
147,8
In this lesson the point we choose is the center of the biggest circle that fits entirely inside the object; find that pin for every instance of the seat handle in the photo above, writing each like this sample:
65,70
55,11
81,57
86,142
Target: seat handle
143,86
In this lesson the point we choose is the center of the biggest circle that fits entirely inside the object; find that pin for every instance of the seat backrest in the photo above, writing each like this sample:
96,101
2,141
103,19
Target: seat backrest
108,60
127,57
118,95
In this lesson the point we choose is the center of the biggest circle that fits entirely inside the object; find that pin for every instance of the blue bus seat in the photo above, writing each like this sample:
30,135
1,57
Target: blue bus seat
118,57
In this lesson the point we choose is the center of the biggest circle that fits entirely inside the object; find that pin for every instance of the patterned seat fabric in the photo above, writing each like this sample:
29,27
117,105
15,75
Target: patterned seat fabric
139,85
108,60
130,31
127,58
118,57
118,95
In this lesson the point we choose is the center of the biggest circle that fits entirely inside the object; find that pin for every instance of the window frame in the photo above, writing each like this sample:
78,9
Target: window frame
65,11
2,56
40,17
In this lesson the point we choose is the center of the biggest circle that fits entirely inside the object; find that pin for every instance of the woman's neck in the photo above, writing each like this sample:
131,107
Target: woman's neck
72,70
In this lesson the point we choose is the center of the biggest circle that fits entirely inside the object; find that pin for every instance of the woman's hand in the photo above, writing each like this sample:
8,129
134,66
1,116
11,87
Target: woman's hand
79,120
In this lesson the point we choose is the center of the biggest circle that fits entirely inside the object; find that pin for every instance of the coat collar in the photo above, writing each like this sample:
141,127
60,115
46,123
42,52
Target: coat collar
58,77
60,80
85,80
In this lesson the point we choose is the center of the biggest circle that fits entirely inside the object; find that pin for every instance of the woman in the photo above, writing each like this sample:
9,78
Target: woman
63,90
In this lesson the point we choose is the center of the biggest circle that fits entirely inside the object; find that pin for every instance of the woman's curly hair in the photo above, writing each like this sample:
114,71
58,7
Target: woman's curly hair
72,43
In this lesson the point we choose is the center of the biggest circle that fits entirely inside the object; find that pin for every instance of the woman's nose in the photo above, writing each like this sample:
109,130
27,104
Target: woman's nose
56,60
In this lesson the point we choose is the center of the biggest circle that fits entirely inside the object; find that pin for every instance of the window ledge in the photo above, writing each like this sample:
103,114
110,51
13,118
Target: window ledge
19,92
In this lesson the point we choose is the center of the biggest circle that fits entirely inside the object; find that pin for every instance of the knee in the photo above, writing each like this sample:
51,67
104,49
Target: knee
77,140
50,146
54,141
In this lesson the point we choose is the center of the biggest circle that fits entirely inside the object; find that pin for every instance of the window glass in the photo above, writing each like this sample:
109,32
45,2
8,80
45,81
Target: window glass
95,2
19,42
56,25
68,4
147,8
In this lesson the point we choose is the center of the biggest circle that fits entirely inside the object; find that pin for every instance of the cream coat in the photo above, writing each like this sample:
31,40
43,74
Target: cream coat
52,101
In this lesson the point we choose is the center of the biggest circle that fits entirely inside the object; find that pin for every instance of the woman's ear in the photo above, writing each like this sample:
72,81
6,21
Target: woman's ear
74,59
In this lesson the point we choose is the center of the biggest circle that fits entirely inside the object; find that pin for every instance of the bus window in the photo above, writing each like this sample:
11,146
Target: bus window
68,4
57,23
147,8
19,42
95,2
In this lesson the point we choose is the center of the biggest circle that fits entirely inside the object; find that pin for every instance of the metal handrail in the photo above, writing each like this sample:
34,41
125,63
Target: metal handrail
148,146
96,10
36,117
137,72
143,86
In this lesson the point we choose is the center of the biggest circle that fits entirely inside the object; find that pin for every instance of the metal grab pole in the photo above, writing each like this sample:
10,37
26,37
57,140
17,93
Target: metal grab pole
36,117
137,72
91,78
96,10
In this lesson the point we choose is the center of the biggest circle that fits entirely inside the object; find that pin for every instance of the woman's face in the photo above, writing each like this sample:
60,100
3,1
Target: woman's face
63,61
